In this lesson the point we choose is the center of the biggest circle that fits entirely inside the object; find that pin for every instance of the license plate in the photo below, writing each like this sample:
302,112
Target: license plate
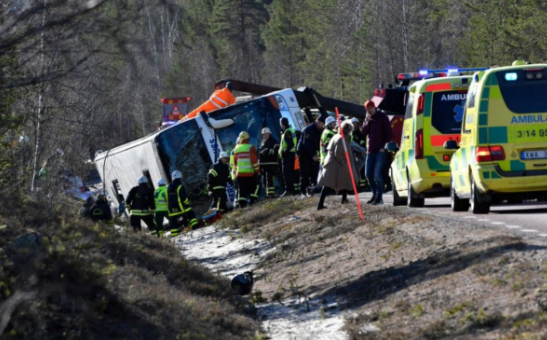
537,154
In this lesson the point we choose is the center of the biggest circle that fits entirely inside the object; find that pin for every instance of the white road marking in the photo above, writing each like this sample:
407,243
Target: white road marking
529,230
543,235
469,217
513,226
497,223
483,220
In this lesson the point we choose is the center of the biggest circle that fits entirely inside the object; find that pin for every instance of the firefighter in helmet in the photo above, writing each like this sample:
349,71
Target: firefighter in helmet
180,213
141,205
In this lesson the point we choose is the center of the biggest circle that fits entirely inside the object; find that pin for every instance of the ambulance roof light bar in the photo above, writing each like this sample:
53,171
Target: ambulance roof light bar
460,70
436,73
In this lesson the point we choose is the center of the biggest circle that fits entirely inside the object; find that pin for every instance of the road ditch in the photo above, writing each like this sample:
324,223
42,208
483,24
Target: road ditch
397,275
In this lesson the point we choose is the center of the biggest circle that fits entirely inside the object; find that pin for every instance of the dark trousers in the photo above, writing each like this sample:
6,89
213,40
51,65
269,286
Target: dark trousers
248,190
309,170
328,191
287,162
269,172
160,218
375,173
136,222
219,200
177,223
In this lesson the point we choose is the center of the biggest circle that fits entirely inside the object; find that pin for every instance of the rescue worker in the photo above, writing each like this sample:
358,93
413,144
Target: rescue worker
287,155
86,207
308,155
141,205
360,140
247,171
160,197
233,170
326,136
378,130
180,213
268,160
217,178
222,97
100,211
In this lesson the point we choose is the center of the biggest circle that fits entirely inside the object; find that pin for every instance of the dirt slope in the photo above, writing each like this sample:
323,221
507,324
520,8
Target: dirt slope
401,275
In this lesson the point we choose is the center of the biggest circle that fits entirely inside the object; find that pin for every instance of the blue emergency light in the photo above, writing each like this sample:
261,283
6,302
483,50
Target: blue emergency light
421,74
512,76
459,70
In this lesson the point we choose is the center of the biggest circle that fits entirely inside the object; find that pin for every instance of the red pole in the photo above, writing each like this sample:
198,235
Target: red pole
349,165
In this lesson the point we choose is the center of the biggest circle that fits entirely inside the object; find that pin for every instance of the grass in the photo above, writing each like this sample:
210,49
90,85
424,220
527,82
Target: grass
61,278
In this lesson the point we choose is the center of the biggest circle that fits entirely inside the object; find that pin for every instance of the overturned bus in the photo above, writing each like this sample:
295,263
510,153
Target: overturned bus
194,145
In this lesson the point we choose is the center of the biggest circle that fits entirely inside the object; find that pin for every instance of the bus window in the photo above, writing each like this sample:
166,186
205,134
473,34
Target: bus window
251,117
182,148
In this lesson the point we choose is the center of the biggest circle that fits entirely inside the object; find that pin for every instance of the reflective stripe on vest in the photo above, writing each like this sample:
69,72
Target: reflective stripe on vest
326,136
244,164
284,143
181,209
220,103
160,196
139,212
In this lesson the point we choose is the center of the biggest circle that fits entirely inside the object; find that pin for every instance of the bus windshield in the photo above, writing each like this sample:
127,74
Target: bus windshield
250,116
182,148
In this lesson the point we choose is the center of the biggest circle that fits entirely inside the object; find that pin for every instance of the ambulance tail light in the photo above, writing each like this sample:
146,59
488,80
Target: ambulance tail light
420,105
419,144
490,153
498,154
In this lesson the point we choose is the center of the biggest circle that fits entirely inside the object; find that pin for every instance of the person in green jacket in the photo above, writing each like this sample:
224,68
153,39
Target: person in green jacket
160,196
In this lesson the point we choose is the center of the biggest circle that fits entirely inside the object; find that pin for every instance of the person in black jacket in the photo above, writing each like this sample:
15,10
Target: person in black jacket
268,160
308,154
100,211
180,212
217,178
86,207
141,205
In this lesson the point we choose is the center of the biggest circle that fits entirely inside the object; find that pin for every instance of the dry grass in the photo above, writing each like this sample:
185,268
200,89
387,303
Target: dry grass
86,281
403,275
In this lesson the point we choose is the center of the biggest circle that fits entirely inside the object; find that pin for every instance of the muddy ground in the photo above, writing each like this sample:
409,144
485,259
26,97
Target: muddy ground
399,274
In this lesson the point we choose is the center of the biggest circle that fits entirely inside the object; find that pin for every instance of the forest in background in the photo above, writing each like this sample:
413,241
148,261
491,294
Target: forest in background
88,75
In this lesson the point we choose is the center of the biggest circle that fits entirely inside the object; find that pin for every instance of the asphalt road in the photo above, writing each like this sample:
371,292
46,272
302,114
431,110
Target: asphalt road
530,217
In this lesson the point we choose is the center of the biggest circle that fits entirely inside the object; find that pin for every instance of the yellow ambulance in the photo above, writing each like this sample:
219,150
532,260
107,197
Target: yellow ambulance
503,149
434,112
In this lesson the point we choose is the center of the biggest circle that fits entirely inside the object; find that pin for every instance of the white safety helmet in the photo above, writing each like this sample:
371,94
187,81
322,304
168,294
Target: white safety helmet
355,120
329,120
143,180
176,175
223,154
266,130
161,182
